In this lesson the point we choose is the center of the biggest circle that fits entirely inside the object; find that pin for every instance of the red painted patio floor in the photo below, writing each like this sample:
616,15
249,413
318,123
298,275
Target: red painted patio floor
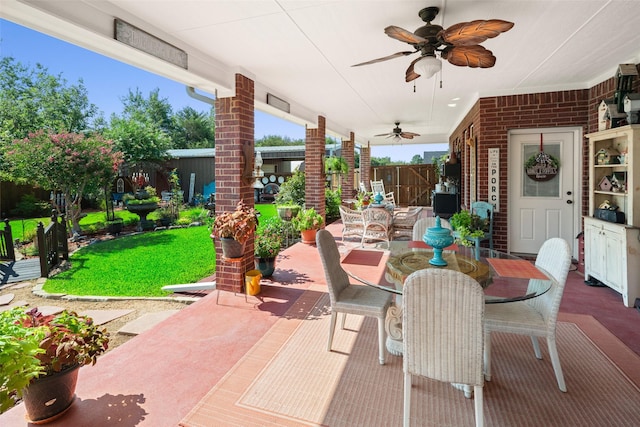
156,378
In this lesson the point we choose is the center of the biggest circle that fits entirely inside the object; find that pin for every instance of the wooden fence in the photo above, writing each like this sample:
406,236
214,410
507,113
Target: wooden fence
7,251
52,243
411,184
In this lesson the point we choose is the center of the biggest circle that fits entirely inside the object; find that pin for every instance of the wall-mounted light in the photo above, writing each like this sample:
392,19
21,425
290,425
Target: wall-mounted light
258,173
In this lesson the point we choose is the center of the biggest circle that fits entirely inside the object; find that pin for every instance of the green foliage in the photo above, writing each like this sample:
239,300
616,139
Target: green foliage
380,161
335,164
307,219
29,206
468,225
416,160
269,237
31,98
138,264
277,141
193,129
438,162
140,142
70,163
333,200
33,344
292,191
19,346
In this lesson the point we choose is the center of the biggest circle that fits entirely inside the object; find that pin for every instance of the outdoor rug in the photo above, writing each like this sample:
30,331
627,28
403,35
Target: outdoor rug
290,379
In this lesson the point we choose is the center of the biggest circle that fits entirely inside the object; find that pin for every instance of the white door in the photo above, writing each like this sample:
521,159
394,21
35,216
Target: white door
543,206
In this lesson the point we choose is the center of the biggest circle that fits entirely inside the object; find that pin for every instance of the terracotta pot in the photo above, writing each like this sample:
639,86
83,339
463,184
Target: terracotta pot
309,236
47,398
231,248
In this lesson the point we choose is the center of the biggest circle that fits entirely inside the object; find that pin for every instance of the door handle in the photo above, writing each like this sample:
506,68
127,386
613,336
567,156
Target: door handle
569,202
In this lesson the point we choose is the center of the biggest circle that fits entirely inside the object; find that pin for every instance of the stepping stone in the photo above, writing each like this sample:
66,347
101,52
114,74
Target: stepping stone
6,299
50,309
100,317
145,322
21,303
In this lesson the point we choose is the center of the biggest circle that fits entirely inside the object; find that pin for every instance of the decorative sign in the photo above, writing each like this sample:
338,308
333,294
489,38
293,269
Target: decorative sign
494,178
541,166
141,40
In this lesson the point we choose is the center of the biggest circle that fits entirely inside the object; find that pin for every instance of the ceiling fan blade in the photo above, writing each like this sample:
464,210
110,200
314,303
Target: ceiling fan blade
410,74
383,134
409,135
469,56
474,32
403,35
386,58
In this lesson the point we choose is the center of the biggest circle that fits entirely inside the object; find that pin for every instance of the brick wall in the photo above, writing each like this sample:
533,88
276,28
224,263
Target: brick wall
234,136
365,166
314,168
492,118
348,154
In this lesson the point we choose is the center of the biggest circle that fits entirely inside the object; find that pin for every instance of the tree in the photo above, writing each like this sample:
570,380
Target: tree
276,141
416,160
140,142
71,163
32,99
153,109
193,129
380,161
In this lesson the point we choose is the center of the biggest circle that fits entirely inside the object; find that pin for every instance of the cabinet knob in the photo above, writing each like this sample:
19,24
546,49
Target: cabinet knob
569,202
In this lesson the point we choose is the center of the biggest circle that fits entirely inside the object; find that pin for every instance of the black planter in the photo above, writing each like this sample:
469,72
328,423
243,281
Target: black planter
266,265
47,398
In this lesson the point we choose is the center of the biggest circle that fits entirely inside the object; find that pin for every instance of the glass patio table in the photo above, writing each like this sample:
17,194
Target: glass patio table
504,277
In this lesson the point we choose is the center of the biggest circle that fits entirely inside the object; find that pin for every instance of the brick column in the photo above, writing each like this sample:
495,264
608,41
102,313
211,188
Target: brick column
315,178
348,147
234,137
365,166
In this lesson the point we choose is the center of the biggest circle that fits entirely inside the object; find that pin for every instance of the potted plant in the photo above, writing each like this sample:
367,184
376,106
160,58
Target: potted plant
307,222
287,211
468,226
234,229
40,358
363,199
267,245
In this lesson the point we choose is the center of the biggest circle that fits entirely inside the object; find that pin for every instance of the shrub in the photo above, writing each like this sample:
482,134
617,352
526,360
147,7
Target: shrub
29,207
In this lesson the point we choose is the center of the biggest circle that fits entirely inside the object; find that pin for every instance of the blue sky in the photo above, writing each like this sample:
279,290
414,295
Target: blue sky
108,80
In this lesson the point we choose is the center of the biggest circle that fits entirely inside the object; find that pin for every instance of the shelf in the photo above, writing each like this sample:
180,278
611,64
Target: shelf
610,193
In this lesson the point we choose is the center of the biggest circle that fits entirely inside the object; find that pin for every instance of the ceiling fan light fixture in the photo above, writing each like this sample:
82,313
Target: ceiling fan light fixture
397,139
428,66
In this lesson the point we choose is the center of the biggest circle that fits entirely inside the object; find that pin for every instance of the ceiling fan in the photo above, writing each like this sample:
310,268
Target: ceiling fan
459,44
397,133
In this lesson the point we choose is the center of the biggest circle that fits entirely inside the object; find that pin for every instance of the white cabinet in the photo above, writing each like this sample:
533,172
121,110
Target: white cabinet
612,250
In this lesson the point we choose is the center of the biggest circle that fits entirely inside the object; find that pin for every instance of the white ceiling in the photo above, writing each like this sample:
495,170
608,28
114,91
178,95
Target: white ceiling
302,52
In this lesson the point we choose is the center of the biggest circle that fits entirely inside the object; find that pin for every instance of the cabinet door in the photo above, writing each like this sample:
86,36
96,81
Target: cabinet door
594,252
613,260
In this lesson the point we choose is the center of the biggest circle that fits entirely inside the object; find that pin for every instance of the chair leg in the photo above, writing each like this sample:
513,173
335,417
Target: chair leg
478,403
536,347
407,400
487,356
555,361
381,340
332,328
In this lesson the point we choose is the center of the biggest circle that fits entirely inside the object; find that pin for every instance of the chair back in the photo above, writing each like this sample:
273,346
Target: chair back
485,211
554,258
337,278
377,187
363,189
420,227
442,326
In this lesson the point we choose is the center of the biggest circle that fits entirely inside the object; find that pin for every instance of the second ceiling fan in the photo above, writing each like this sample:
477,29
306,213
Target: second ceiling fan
459,44
397,133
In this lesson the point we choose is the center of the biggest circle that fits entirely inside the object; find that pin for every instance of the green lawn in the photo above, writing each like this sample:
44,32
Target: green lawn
141,264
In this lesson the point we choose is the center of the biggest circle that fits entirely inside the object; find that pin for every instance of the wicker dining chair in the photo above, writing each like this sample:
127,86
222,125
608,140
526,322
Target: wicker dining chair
350,298
352,222
535,317
378,223
403,222
443,332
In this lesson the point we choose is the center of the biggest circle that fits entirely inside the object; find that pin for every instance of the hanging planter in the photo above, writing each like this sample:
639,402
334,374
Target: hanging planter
541,166
231,248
